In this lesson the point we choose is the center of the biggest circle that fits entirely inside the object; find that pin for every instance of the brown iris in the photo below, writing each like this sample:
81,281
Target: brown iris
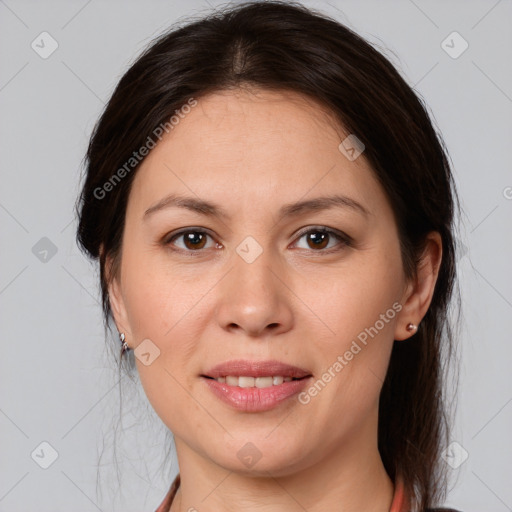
196,239
319,239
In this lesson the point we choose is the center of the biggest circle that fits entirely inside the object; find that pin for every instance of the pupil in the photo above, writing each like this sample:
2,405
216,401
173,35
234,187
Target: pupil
194,238
318,239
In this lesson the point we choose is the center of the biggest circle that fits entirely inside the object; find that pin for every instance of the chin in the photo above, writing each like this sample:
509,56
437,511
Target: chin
259,457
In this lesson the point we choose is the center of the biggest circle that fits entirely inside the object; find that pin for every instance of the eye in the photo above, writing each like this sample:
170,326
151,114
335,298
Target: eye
319,238
193,240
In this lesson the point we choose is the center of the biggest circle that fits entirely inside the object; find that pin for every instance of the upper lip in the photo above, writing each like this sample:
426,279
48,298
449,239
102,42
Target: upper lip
243,367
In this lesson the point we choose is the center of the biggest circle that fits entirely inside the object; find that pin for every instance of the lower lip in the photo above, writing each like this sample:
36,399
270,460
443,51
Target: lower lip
256,399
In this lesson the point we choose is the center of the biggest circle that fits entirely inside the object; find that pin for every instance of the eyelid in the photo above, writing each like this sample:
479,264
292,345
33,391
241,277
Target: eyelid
191,229
325,229
169,237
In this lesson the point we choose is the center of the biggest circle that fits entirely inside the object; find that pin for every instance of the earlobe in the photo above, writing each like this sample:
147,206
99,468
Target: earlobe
420,290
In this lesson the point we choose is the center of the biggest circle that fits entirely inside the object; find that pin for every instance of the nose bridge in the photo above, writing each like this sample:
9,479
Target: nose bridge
254,298
254,274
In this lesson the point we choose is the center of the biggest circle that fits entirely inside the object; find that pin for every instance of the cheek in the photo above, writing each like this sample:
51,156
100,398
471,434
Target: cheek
357,311
164,305
157,295
350,298
161,309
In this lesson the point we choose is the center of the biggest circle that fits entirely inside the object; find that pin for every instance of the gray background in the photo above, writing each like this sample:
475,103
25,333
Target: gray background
58,382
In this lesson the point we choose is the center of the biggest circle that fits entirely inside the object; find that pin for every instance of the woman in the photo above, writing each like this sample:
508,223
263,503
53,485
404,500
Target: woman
272,211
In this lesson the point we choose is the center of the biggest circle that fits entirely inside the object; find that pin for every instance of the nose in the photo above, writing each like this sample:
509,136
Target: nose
255,297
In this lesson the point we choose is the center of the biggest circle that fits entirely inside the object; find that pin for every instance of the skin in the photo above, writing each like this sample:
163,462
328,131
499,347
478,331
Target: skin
251,152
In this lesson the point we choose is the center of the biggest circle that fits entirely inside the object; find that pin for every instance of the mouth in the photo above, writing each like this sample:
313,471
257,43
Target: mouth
255,386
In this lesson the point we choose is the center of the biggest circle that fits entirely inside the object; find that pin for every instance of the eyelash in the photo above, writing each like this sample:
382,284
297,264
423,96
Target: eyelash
345,240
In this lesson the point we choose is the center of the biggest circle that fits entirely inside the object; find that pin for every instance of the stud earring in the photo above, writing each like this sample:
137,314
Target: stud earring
412,327
125,347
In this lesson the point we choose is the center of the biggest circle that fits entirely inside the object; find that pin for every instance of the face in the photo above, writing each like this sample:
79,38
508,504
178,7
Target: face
317,286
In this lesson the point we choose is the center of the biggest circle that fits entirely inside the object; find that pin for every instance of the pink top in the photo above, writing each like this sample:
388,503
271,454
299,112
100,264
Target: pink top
399,503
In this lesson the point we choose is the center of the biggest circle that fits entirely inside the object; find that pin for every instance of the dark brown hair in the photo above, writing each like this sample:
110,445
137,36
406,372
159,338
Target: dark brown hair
284,46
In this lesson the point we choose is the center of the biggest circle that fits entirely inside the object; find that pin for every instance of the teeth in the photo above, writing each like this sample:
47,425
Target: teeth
251,382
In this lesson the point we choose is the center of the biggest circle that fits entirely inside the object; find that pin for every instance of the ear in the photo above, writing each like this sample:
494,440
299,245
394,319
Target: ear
418,294
116,299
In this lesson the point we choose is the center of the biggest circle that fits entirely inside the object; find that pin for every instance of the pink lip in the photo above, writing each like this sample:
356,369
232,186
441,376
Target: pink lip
238,367
255,399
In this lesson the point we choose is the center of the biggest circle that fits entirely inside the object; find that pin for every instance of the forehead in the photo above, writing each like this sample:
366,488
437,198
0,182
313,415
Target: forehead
266,105
233,120
257,143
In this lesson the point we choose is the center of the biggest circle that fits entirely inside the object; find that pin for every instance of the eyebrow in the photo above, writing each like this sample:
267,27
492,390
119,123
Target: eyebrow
210,209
